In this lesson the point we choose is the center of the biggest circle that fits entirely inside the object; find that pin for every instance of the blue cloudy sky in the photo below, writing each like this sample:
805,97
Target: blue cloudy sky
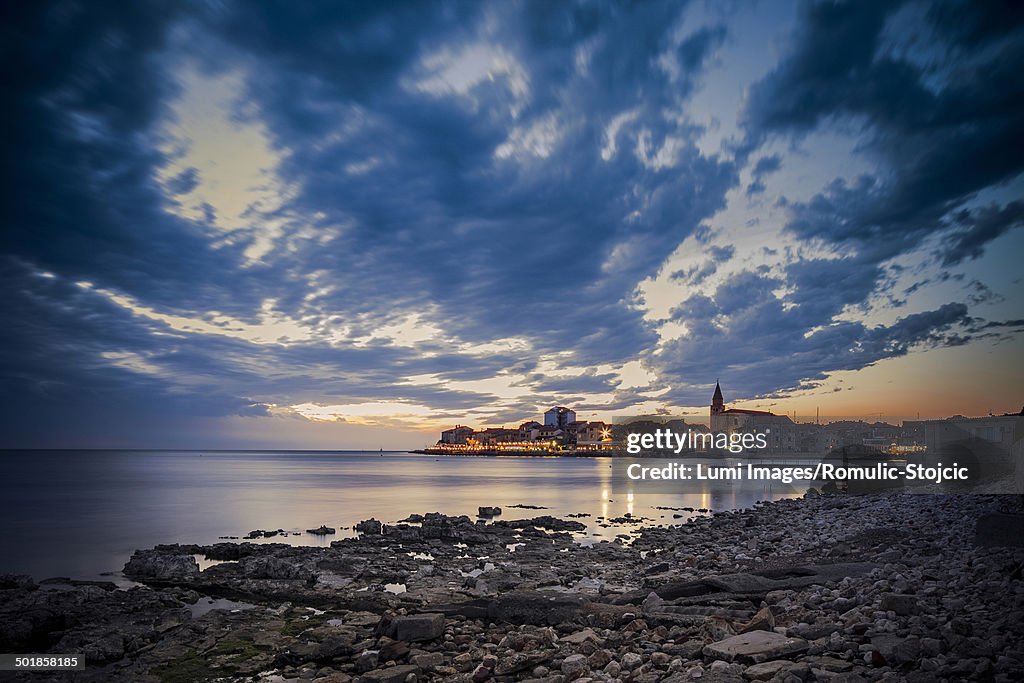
309,224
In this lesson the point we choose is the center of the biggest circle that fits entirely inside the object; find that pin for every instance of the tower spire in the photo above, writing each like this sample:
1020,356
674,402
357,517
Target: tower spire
717,401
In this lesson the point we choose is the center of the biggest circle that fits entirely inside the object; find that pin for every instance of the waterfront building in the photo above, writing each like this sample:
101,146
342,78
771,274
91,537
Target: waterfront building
456,435
559,416
781,433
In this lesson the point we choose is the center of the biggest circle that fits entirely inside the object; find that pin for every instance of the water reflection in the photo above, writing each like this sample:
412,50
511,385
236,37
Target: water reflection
81,513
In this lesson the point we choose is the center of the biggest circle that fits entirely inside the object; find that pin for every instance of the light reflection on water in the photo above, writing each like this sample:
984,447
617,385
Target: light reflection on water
81,513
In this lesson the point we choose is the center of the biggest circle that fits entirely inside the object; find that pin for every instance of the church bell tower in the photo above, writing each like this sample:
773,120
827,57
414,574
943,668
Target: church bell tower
717,402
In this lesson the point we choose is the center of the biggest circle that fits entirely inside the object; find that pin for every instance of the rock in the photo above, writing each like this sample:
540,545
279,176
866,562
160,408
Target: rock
367,661
393,674
652,603
393,650
763,620
150,564
269,567
463,662
428,661
630,661
419,627
534,607
658,568
766,670
574,666
481,673
828,664
370,527
716,628
332,647
755,647
897,650
322,530
19,582
903,605
580,637
488,511
520,661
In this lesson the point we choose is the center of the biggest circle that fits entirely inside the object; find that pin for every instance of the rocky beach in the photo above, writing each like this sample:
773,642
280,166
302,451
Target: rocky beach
823,588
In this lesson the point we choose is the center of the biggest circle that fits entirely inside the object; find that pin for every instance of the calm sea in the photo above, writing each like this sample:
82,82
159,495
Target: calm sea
82,513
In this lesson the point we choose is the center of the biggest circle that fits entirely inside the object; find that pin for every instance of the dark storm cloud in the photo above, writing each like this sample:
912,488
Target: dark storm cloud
939,104
84,87
494,242
975,229
547,248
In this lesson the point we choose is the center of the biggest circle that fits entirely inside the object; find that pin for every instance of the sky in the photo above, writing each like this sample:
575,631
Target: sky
350,225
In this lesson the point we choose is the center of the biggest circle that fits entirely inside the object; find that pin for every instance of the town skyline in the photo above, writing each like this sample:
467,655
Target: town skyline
345,226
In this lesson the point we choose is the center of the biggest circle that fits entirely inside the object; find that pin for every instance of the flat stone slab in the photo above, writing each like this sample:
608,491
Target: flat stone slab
755,647
747,584
394,674
765,671
419,627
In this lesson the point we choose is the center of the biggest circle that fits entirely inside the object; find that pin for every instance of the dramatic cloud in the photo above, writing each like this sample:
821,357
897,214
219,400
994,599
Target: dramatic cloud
420,213
936,91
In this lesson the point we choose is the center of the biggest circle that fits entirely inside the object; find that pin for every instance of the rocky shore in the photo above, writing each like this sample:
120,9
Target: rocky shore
824,588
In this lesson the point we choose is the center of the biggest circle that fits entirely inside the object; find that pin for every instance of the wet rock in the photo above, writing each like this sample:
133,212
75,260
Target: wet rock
153,565
543,522
270,567
488,511
16,582
322,530
370,527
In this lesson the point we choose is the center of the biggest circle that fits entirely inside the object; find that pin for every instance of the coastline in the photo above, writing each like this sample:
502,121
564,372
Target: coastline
821,588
